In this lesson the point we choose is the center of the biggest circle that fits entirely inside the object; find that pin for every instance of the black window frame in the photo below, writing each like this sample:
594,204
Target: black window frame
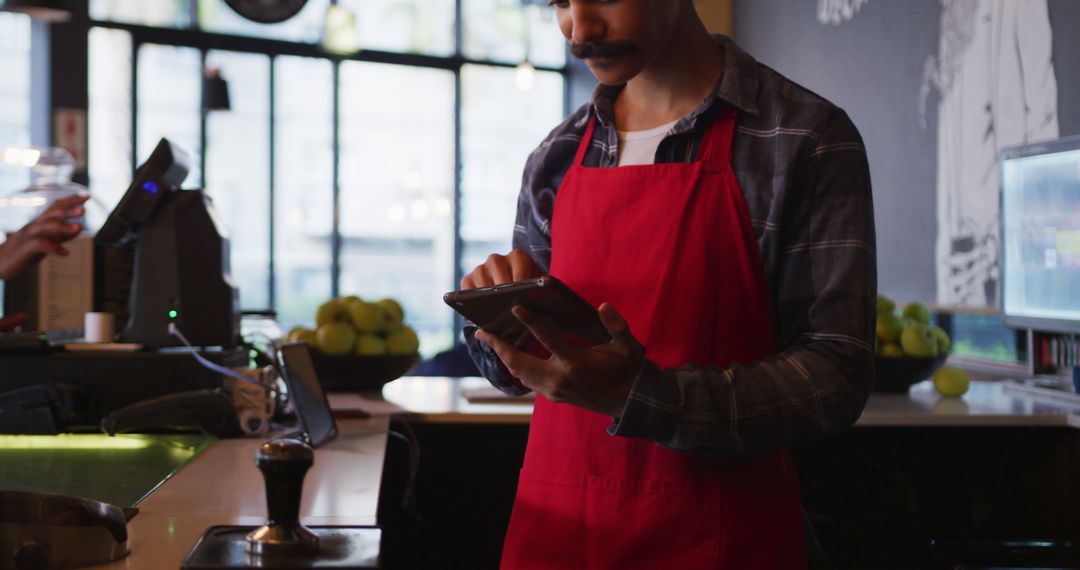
193,37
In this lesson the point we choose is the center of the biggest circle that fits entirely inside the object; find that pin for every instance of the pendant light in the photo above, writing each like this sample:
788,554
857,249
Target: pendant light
339,33
525,73
215,91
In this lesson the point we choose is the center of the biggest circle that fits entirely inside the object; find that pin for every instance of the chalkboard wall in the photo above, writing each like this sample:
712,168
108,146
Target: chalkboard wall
872,66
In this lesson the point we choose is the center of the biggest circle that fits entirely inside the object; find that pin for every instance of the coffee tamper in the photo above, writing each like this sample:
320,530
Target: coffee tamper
283,463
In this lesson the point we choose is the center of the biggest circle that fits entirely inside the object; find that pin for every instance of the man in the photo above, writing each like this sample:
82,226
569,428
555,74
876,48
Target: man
720,217
44,234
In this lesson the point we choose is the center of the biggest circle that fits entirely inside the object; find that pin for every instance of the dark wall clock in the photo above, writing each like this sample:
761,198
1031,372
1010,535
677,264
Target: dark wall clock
267,11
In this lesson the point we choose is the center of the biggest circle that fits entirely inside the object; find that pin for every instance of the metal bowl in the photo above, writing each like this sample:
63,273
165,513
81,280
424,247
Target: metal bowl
46,531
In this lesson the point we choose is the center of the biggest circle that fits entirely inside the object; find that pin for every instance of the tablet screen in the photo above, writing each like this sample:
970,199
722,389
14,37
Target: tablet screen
309,400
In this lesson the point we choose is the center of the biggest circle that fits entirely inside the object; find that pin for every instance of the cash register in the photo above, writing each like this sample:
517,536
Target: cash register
161,265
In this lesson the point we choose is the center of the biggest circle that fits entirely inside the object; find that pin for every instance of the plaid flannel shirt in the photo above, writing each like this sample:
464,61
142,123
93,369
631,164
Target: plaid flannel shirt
803,170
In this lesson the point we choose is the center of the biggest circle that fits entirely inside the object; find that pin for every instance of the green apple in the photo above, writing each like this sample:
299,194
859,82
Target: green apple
349,299
889,327
917,340
367,317
917,312
335,338
330,312
403,341
395,315
370,345
891,350
301,334
942,337
951,381
885,305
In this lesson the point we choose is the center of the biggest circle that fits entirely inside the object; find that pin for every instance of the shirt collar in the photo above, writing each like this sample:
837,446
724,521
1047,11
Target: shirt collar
738,85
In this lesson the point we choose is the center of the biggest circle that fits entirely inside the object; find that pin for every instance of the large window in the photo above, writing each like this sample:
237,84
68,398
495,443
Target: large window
384,174
495,145
397,187
304,186
14,97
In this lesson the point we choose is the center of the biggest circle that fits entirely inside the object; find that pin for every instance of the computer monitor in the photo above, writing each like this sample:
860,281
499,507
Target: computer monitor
160,175
1040,236
313,413
180,274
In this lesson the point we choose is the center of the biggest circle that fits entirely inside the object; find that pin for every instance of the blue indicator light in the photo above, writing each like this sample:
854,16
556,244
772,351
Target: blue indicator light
150,187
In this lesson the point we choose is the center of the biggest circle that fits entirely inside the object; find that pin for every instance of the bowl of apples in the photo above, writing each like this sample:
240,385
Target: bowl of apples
909,348
358,345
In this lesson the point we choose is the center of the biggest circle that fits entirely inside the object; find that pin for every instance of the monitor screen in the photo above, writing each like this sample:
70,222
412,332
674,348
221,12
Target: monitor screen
317,424
1040,235
162,173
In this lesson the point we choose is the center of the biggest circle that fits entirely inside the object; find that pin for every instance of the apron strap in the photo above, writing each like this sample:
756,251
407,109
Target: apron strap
716,144
586,139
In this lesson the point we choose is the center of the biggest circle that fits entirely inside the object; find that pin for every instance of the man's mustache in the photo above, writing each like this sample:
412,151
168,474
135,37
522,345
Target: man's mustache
601,49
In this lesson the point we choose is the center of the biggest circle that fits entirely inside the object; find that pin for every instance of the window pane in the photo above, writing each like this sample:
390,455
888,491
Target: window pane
305,27
163,13
169,88
303,187
397,180
110,115
501,125
238,170
14,97
419,26
498,30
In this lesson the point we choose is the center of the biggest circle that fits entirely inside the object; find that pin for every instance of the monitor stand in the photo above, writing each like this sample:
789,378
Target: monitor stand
181,275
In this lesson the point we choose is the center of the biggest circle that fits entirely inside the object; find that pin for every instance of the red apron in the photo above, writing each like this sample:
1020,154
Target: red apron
671,248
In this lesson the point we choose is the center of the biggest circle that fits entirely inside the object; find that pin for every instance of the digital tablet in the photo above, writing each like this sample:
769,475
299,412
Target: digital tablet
489,308
317,425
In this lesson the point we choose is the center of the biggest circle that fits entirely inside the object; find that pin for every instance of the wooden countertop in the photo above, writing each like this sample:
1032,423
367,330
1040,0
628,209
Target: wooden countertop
987,404
222,486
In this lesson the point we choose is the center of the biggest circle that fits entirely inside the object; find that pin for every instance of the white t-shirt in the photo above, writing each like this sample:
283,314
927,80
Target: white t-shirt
639,147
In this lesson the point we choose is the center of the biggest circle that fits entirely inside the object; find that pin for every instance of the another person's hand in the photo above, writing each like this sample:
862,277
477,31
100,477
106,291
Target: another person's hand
8,324
597,378
43,235
499,269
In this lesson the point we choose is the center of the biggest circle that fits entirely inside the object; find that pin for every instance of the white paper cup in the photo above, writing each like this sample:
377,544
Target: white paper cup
98,327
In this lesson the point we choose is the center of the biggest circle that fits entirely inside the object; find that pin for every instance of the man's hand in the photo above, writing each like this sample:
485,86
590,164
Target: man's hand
597,378
43,235
8,324
499,269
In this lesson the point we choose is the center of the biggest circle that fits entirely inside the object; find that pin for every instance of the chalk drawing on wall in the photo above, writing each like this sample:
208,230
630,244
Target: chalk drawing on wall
837,12
997,88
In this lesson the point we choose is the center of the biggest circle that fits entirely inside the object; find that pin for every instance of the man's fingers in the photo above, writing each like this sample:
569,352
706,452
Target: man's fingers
54,228
522,266
61,213
544,333
519,363
499,269
45,245
478,278
615,324
69,201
